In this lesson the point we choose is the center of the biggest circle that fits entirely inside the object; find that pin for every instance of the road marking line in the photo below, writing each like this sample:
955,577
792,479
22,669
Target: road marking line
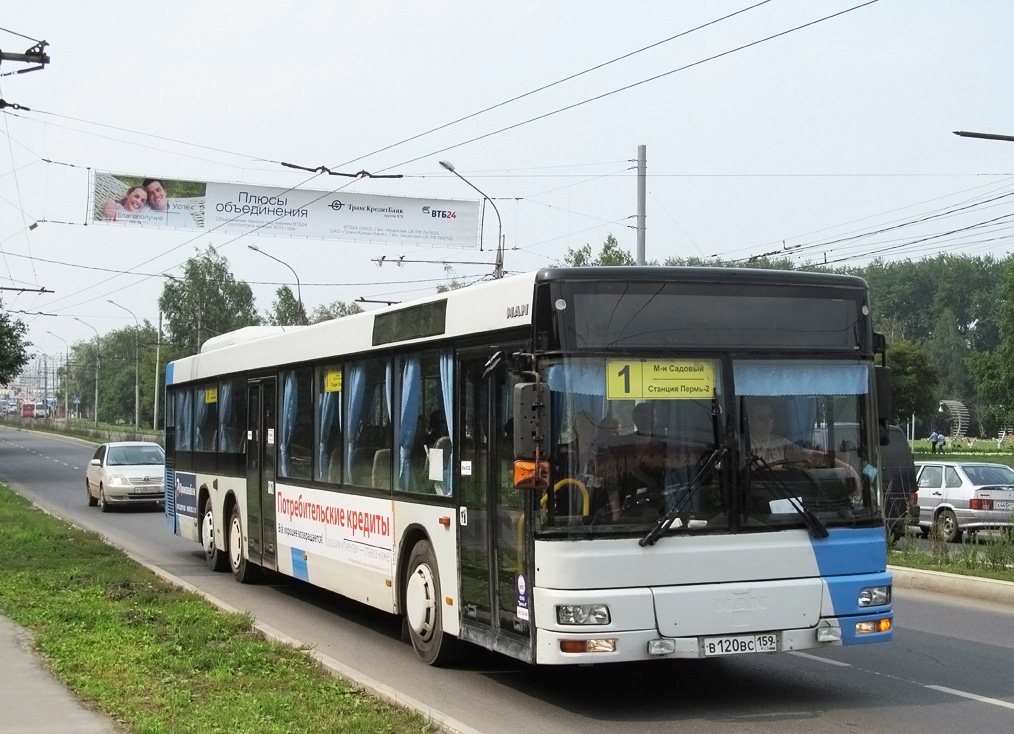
974,697
820,660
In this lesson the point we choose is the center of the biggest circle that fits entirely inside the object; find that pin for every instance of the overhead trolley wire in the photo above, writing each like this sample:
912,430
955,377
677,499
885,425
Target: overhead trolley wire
550,85
633,85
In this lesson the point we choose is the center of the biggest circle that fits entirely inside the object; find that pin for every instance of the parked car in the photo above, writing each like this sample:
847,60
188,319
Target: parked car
958,496
126,472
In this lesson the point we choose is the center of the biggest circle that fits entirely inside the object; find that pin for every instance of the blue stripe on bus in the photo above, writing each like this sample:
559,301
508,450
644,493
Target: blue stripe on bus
849,551
299,569
850,560
169,374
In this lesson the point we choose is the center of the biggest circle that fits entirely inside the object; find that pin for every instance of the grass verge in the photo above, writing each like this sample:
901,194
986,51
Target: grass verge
159,659
992,558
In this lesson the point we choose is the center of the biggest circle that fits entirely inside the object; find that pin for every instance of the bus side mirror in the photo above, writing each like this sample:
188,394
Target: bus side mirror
531,419
531,431
883,377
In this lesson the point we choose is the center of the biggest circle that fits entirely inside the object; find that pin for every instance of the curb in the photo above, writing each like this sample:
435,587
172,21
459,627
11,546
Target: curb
966,587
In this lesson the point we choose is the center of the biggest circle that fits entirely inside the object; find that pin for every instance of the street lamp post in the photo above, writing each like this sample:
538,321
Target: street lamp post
299,293
66,377
158,348
96,367
498,268
137,381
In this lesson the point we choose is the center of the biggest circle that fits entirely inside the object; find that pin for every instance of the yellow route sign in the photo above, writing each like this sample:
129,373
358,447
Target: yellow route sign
333,382
663,379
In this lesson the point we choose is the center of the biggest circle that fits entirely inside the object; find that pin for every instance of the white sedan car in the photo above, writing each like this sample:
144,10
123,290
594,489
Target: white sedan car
126,472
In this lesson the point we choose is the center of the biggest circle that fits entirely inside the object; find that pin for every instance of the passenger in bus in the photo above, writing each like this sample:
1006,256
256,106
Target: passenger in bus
641,464
436,429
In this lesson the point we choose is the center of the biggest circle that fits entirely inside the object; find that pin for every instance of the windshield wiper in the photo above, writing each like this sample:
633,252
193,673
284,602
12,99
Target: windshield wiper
813,522
658,528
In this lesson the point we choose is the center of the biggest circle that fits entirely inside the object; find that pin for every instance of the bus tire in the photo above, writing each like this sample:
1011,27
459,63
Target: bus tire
92,499
216,559
424,609
244,571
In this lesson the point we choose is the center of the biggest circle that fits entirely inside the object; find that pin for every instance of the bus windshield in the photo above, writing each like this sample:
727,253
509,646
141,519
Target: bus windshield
643,443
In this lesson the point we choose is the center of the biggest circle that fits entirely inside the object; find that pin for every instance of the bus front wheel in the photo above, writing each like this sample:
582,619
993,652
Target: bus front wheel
423,608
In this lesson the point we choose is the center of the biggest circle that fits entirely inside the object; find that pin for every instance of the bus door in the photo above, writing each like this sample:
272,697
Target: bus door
495,570
260,472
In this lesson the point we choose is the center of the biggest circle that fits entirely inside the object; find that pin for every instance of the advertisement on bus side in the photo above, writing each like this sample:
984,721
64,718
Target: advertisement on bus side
356,530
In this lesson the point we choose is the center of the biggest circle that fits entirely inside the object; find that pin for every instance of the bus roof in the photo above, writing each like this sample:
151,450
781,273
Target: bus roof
488,307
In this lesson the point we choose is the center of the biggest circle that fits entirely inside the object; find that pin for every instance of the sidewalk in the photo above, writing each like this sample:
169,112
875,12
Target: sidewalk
32,700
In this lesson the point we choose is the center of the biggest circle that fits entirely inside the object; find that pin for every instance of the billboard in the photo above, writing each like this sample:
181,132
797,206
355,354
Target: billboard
138,201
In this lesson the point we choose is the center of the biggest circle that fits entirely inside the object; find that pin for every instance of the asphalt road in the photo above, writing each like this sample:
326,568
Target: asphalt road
949,667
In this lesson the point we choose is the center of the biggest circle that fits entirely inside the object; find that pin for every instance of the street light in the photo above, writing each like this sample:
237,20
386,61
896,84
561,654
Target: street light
137,381
66,377
498,268
96,367
299,294
984,136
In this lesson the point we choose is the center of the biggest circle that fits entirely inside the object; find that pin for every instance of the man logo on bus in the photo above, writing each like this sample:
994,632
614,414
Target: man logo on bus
516,312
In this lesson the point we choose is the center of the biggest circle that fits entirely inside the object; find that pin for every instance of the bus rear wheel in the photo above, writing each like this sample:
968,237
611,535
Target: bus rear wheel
244,571
424,610
215,558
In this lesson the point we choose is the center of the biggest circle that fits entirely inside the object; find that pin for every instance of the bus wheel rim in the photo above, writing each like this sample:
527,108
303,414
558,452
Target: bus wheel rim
208,532
420,601
235,543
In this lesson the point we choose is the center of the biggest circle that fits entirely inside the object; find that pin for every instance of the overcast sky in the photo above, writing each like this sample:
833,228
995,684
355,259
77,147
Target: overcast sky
797,142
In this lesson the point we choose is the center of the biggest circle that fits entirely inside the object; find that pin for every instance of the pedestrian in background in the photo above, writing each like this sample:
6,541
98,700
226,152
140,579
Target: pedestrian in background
934,437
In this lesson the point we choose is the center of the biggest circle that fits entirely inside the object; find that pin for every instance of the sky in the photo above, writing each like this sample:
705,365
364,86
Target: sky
761,136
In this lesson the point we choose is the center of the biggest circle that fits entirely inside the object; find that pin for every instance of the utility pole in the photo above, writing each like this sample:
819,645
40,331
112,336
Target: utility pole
642,168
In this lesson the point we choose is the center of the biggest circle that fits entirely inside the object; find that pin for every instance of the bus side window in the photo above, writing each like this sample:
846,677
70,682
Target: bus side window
425,449
367,394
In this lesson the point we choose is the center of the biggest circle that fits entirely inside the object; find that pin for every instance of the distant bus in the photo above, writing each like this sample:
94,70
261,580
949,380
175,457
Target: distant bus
28,410
557,466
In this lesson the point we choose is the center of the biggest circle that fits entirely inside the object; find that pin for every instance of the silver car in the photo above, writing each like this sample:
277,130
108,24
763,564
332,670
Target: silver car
126,472
958,496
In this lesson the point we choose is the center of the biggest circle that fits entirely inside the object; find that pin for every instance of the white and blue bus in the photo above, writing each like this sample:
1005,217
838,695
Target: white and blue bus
579,465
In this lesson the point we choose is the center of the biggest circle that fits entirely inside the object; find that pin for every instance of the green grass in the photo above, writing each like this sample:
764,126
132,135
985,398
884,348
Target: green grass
159,659
992,558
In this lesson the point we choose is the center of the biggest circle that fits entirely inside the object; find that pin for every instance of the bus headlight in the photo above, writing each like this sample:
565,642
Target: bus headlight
582,614
875,596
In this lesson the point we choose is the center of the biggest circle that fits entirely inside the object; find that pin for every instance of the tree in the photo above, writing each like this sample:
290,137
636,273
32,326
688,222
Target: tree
336,310
993,371
286,309
611,254
13,347
948,351
913,382
453,284
205,302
